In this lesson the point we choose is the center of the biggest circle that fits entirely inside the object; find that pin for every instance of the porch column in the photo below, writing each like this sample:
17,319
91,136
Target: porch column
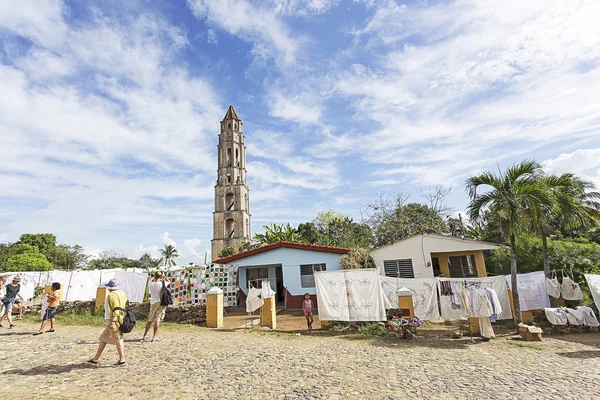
480,263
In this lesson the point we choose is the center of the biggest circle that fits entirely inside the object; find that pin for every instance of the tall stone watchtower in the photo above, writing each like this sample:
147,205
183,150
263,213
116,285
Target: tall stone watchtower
231,219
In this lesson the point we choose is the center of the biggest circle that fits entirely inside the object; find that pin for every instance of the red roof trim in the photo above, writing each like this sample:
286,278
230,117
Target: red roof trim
289,245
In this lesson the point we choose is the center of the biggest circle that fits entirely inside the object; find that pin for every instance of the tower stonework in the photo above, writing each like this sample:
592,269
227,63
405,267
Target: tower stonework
231,218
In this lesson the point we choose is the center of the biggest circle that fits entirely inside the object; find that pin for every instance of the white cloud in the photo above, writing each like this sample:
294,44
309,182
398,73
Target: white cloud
298,108
584,163
303,7
487,82
258,25
211,36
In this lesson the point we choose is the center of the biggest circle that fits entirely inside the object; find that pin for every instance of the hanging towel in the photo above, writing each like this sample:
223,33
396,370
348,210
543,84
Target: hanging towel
570,289
552,286
589,318
556,316
575,317
254,301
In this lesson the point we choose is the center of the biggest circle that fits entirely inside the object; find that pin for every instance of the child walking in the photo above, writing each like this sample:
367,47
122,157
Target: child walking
307,306
53,301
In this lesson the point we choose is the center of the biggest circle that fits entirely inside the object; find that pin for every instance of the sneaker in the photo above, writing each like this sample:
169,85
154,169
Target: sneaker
156,339
12,325
144,339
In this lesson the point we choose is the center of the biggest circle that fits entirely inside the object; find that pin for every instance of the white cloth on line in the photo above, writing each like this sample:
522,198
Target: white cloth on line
350,295
254,300
44,307
570,289
485,328
532,290
593,282
451,305
424,295
589,318
556,316
266,290
575,317
553,287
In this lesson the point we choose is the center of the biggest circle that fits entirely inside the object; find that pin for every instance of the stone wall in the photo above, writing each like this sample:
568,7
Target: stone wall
190,314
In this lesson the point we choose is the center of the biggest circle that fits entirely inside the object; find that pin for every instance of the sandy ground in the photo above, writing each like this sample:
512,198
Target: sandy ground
192,362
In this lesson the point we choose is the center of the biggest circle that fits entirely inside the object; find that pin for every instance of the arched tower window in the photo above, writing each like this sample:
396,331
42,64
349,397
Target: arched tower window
229,202
247,228
228,156
229,228
237,160
229,126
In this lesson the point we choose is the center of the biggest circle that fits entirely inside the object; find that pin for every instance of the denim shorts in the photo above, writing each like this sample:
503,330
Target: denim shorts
49,314
8,303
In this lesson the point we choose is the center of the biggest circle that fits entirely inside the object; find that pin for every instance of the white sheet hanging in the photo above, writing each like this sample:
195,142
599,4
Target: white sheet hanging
254,300
570,289
589,318
553,286
350,295
532,290
132,283
593,282
450,305
83,286
424,294
556,316
575,317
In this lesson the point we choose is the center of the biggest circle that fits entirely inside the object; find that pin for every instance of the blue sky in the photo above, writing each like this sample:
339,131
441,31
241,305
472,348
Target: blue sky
109,112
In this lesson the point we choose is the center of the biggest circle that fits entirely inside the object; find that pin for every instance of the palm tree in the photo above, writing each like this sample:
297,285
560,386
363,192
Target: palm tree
573,207
277,233
515,194
169,253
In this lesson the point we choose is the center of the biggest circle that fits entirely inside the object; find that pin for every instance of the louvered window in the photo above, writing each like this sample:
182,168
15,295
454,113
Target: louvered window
399,268
307,277
462,266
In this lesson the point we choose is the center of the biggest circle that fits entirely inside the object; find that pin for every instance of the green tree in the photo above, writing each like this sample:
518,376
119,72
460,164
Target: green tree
226,252
309,232
168,254
68,257
147,262
45,242
357,258
7,250
27,258
337,229
513,195
573,206
275,233
246,246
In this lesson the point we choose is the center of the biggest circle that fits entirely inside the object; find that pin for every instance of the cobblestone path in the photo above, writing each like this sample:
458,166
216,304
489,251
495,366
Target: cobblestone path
192,362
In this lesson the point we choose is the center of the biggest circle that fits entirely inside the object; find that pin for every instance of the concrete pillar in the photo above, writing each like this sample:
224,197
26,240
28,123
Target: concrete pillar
101,294
474,325
214,308
405,303
268,313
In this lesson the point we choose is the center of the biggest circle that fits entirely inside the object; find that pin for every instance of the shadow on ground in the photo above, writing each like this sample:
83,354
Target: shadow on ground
581,354
49,369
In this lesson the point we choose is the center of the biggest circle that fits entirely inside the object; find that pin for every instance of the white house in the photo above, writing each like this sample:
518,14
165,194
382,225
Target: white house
288,266
428,255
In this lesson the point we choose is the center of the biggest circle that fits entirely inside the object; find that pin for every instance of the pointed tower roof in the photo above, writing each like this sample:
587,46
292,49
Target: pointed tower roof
231,114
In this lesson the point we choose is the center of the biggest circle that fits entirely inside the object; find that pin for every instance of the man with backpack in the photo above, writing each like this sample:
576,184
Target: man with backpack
117,314
160,298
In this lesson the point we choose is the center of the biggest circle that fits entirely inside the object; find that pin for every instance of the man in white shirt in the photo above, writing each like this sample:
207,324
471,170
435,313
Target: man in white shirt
157,312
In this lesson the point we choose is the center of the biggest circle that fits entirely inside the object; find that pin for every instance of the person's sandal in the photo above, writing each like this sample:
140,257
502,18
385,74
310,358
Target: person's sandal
155,339
120,363
38,333
50,330
12,325
92,361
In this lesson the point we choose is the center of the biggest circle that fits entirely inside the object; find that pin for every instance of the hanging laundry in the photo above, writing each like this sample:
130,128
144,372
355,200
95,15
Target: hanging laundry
589,317
553,286
350,295
593,282
570,289
424,295
266,290
574,317
532,290
254,301
556,316
495,302
451,308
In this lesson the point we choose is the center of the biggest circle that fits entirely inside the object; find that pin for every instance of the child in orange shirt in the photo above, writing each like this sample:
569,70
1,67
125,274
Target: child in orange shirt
53,301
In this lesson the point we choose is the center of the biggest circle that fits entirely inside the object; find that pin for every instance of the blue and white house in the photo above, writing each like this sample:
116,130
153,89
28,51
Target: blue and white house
288,266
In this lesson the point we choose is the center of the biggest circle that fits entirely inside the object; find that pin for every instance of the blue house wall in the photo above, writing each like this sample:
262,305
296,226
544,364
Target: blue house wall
290,261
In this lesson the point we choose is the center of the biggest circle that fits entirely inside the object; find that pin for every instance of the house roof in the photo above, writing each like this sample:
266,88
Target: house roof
462,244
278,245
231,114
